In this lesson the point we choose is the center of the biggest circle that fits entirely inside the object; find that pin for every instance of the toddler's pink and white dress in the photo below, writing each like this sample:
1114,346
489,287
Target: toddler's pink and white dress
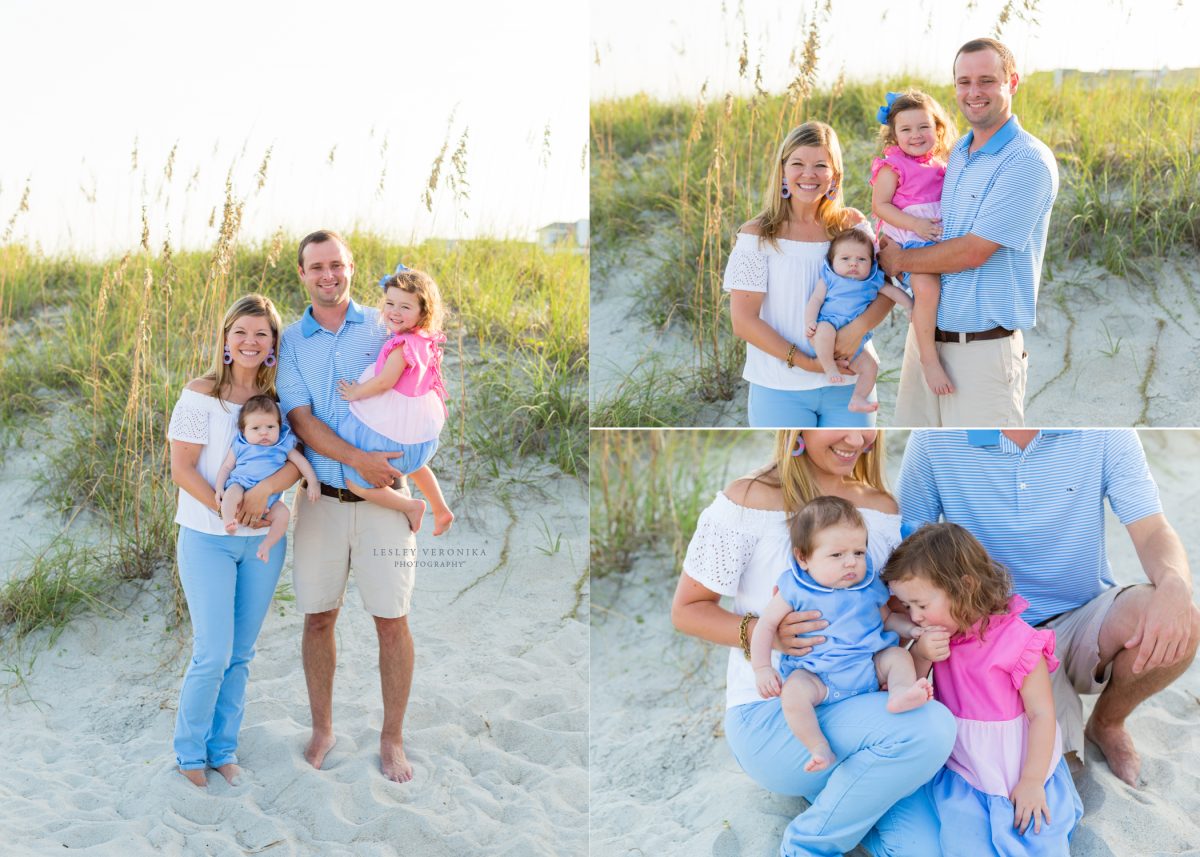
980,683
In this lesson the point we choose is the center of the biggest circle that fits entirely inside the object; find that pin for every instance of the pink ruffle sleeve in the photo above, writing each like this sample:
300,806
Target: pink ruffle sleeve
879,163
1040,644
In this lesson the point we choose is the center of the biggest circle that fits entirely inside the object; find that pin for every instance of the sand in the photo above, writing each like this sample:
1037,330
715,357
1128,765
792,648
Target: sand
665,783
496,725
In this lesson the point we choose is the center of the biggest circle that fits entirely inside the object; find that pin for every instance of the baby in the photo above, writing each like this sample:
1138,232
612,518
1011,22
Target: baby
830,573
849,281
263,444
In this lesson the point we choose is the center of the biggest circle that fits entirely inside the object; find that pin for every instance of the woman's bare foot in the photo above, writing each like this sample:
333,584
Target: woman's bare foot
1116,745
442,521
860,404
415,514
822,758
231,772
936,378
195,776
393,763
318,745
913,696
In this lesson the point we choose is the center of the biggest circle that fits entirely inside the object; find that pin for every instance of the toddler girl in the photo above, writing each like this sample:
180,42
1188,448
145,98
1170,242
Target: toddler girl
399,403
829,572
1005,788
907,198
849,281
263,444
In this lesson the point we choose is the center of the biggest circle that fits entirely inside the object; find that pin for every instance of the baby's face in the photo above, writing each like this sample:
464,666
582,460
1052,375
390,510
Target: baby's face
261,429
852,260
839,558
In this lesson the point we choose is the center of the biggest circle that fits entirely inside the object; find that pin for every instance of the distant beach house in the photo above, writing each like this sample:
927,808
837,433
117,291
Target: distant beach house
1151,76
565,236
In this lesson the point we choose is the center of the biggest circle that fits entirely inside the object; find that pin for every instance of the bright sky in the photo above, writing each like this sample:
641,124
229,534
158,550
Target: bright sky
675,45
228,79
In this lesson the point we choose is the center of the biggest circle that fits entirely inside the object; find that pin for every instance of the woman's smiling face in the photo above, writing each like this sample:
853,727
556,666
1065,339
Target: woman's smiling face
836,451
808,171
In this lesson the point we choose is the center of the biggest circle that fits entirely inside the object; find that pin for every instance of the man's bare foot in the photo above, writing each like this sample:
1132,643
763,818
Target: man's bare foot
914,696
937,379
822,758
1116,745
393,763
859,404
195,777
318,745
442,522
415,514
232,774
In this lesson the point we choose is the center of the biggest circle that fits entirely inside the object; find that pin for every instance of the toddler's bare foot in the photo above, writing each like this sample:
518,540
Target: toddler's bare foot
393,763
822,758
937,379
318,745
415,514
914,696
859,404
1116,745
232,774
195,777
442,521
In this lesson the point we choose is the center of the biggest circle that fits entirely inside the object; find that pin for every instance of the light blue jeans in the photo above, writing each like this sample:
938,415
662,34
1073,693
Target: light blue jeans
823,406
228,592
872,794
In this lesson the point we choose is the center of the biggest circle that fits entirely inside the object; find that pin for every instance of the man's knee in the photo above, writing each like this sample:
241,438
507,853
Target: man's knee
320,623
392,630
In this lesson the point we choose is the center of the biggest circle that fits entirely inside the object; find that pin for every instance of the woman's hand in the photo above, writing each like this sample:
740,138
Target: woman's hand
254,506
768,682
349,390
849,338
1029,804
932,643
792,638
930,230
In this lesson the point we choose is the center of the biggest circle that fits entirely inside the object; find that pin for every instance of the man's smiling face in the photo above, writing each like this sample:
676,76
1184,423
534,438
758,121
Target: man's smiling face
326,273
983,92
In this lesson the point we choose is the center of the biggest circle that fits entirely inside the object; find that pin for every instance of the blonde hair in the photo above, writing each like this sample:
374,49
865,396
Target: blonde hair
945,131
792,474
433,311
949,557
221,375
832,213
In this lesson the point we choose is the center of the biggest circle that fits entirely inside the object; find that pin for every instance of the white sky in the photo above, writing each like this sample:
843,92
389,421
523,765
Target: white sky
676,45
227,80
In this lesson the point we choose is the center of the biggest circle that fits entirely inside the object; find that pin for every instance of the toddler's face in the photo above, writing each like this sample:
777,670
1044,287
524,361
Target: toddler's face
927,605
916,132
851,259
261,429
839,557
401,310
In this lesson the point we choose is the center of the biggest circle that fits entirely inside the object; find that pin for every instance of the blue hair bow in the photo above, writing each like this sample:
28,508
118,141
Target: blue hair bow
886,109
400,269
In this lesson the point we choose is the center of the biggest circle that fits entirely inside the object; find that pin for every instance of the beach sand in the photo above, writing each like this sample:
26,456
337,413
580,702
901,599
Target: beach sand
496,725
665,783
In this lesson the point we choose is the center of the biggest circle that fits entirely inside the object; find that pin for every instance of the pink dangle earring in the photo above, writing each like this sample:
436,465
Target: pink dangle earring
270,361
785,193
832,192
228,358
798,448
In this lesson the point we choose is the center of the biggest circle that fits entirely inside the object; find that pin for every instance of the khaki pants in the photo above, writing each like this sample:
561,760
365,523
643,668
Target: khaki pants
989,385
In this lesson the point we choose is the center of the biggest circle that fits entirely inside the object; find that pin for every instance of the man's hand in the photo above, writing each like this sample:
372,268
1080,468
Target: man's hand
932,643
888,257
1164,630
253,507
376,469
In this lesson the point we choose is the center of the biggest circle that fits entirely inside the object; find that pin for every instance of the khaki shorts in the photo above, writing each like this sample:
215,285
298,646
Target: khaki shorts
1077,647
989,384
332,537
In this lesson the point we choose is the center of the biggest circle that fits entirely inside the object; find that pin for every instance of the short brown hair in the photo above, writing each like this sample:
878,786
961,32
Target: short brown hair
818,515
260,404
1008,63
320,237
954,561
850,235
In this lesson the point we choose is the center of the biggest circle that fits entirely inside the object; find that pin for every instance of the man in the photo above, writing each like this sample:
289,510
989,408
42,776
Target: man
1036,502
336,339
999,188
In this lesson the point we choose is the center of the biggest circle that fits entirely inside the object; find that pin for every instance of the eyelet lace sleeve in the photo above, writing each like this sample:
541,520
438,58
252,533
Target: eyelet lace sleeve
189,423
746,270
722,545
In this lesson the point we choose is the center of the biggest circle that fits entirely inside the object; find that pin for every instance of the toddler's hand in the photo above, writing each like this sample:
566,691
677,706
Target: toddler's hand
1029,803
313,490
347,390
768,682
933,643
930,230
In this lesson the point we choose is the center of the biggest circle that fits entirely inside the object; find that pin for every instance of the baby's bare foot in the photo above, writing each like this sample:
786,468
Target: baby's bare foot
822,758
232,774
195,777
393,763
442,521
231,527
913,696
859,404
263,554
318,745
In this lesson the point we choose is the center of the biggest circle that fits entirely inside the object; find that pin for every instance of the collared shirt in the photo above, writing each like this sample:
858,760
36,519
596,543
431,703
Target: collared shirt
1038,511
311,362
1003,192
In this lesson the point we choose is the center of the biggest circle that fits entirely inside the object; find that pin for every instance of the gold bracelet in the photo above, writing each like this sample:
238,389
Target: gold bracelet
742,636
791,354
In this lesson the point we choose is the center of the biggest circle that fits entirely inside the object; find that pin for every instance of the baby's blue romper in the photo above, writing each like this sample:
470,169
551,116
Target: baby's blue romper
255,463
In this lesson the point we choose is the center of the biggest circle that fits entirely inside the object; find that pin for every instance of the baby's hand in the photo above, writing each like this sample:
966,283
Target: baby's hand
768,682
930,230
348,390
811,330
1029,805
220,493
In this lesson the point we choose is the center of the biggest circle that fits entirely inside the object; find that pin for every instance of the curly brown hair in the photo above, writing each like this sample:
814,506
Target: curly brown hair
914,99
954,561
820,514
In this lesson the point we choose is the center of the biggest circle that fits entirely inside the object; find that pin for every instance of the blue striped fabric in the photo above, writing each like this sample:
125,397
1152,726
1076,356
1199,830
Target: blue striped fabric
1039,511
311,362
1003,192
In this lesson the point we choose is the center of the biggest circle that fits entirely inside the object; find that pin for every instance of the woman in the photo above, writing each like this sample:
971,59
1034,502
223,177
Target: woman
228,589
740,546
775,261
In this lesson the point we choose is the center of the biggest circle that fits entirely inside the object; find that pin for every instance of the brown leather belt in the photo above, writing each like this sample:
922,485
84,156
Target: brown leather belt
343,494
940,335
